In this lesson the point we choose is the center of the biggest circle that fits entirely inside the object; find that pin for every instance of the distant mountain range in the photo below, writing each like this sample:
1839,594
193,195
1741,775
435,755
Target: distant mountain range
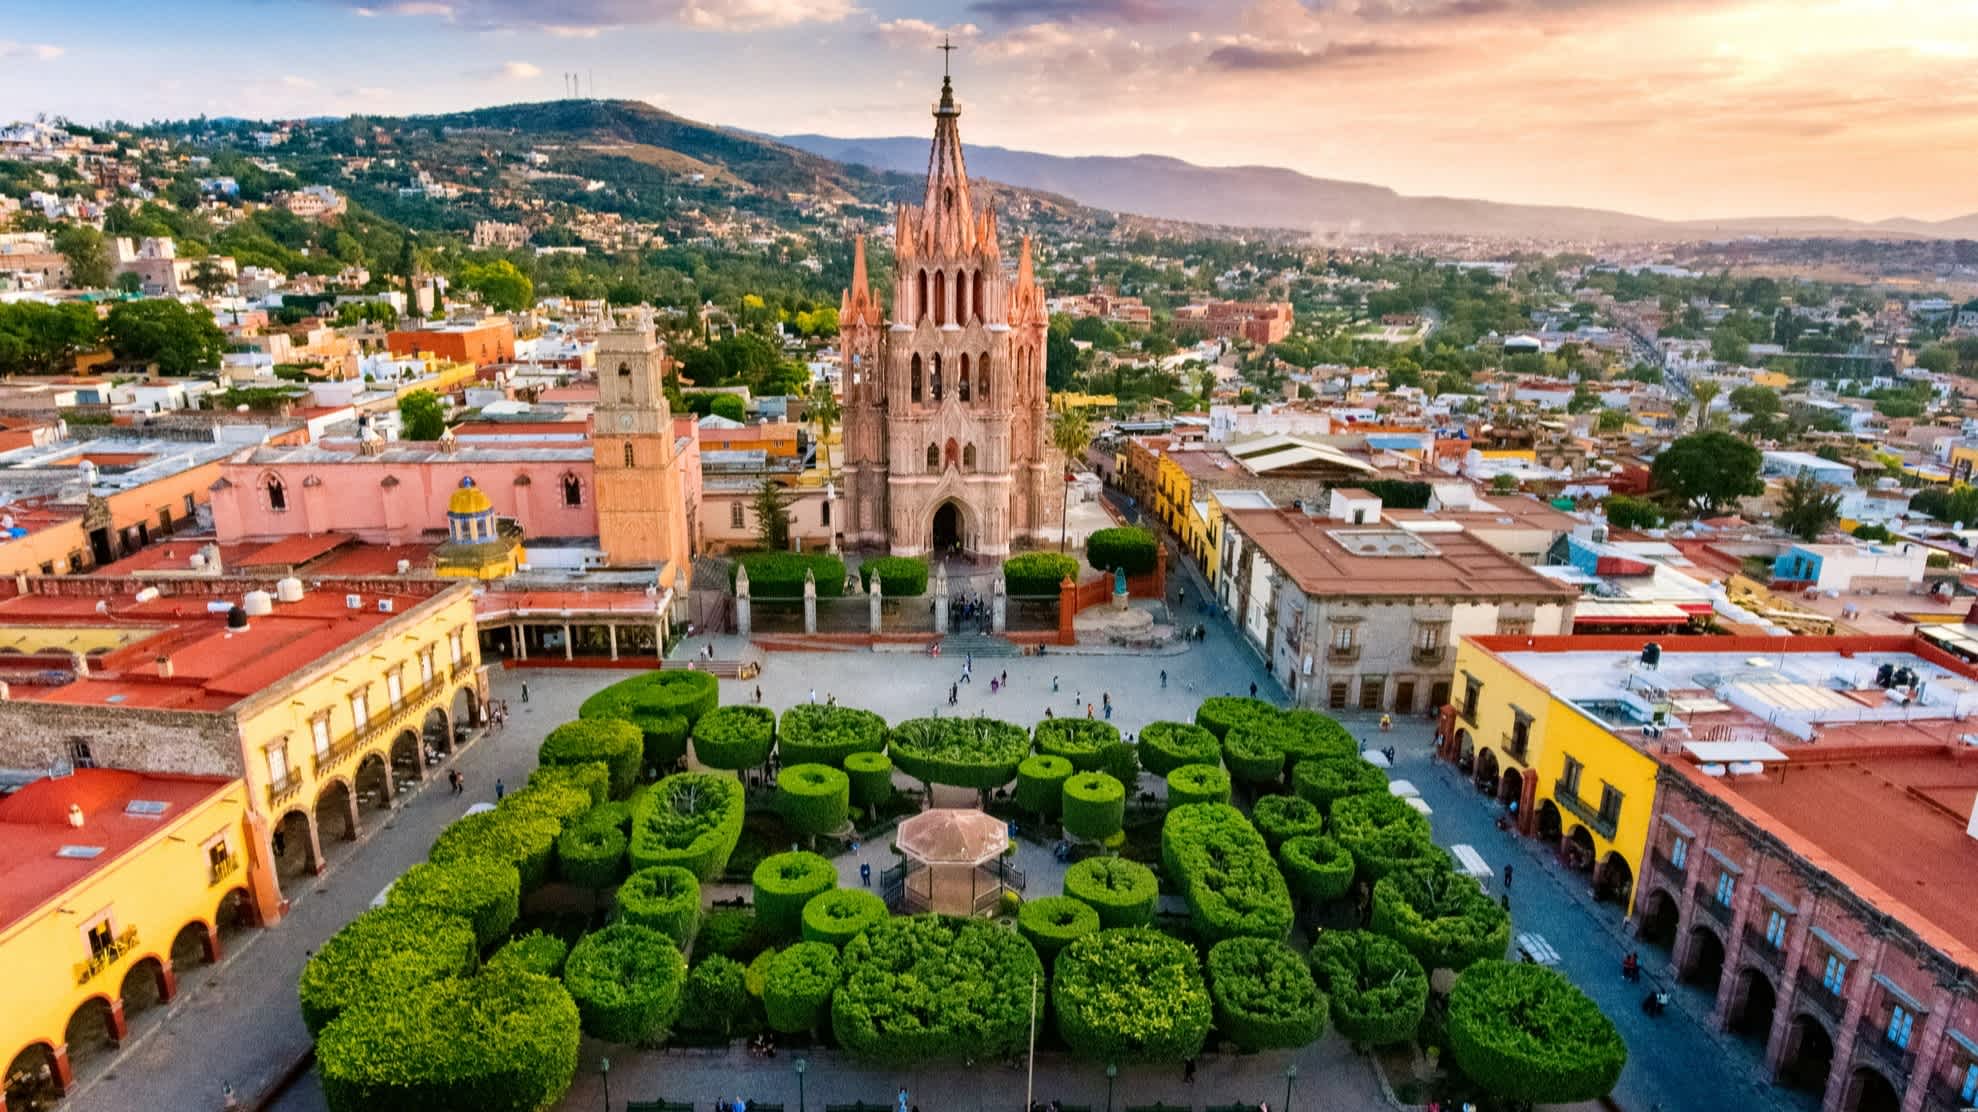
1271,196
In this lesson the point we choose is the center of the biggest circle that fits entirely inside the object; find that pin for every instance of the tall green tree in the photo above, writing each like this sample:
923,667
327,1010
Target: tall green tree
1071,434
824,414
504,288
1705,392
209,278
1709,471
180,339
87,253
422,415
772,516
1807,508
45,339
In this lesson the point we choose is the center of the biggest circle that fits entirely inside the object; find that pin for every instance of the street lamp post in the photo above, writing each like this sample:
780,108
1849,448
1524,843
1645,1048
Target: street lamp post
802,1065
1112,1072
1290,1075
1064,515
604,1072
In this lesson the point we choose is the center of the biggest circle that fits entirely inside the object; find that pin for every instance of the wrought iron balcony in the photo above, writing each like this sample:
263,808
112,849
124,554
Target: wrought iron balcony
1569,799
1429,654
1659,862
1343,652
1760,948
282,790
222,869
1813,991
1872,1040
1706,902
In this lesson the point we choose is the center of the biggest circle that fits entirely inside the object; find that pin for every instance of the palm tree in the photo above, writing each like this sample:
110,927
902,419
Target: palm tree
824,413
1071,434
1705,392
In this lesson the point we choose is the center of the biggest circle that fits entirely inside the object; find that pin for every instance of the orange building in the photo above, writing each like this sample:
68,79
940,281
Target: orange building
481,342
75,505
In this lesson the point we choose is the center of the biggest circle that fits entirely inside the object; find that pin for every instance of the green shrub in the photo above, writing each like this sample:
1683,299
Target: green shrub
1324,781
715,998
1094,806
1264,994
1218,713
1082,741
871,776
731,932
934,988
593,778
811,733
1053,922
663,705
1316,867
535,952
1166,746
626,980
549,801
1130,995
1038,573
617,813
899,576
383,953
784,883
665,899
813,798
781,574
1444,918
1126,546
511,837
591,854
979,753
486,893
798,988
503,1041
1282,817
735,738
1197,783
1253,756
616,743
692,819
1525,1033
837,916
1040,784
1122,892
1383,834
1376,988
758,971
1309,735
1225,872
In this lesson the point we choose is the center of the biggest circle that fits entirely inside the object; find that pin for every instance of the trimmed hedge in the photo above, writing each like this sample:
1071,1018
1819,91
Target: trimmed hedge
731,932
383,953
1384,835
593,778
535,952
1053,922
935,988
691,819
979,753
1225,872
837,916
1377,989
813,798
1082,741
591,854
1254,753
1324,781
899,576
663,705
1121,892
1198,783
626,981
1218,713
715,996
811,733
784,883
665,899
1094,806
1166,746
1040,784
503,1041
506,835
616,813
1316,867
781,574
1264,995
1130,995
486,893
550,801
618,744
1309,735
1525,1033
1280,818
798,988
1444,918
871,776
1038,573
735,738
1123,546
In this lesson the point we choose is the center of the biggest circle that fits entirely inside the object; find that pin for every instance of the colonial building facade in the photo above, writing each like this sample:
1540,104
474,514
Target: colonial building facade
946,444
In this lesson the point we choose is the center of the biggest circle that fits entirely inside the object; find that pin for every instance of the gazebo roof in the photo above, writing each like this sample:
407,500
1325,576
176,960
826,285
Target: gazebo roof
953,837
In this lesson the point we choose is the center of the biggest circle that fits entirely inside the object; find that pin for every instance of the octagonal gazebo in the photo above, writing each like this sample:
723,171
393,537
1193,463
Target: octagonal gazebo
955,862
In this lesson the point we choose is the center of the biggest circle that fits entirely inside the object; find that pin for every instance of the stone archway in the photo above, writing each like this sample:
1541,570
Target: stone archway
1753,1004
1549,823
948,528
1578,849
34,1078
293,840
408,761
195,945
1658,918
1466,752
1613,879
1510,787
373,782
1869,1091
146,985
233,917
336,812
466,708
1808,1057
1487,771
1703,965
92,1036
436,732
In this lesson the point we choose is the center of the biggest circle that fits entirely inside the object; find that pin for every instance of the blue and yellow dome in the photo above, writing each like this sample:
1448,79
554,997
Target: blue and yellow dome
468,500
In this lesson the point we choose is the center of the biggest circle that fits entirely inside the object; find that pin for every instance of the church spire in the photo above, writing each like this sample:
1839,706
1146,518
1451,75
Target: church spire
949,215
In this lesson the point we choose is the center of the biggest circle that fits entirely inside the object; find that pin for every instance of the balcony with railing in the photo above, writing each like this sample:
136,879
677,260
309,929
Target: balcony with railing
1516,745
1707,903
1760,949
1343,652
1660,864
221,869
1429,654
1568,798
1946,1095
282,790
1831,1004
106,957
410,706
1871,1040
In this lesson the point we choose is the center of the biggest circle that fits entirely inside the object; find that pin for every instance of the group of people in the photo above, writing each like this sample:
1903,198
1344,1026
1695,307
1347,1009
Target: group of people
968,608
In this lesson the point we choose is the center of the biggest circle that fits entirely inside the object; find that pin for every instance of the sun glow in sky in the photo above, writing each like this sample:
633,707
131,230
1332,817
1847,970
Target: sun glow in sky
1673,108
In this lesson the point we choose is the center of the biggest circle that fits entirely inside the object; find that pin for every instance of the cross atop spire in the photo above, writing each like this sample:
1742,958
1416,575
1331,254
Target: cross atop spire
947,49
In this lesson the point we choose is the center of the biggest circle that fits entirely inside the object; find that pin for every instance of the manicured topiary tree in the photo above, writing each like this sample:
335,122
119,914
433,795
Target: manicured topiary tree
1525,1033
664,898
735,738
1197,783
613,742
502,1041
561,802
888,1010
798,988
1308,735
593,778
536,952
837,916
1053,922
1441,916
1038,573
1218,713
626,980
1318,868
1166,746
691,819
1040,784
813,799
515,838
781,574
1082,741
1376,988
1129,547
784,883
1254,753
1383,834
899,576
1264,995
1225,872
715,998
979,753
1122,892
591,854
1281,817
812,733
871,776
380,954
663,705
1323,781
486,893
1130,995
1094,806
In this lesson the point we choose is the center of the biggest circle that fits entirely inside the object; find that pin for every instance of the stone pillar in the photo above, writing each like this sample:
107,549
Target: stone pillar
168,981
611,631
1528,803
742,601
999,605
264,884
1744,905
1067,612
569,644
1160,569
1861,982
872,607
1794,962
810,602
659,640
521,642
119,1026
940,599
215,949
350,808
1929,1044
65,1074
313,857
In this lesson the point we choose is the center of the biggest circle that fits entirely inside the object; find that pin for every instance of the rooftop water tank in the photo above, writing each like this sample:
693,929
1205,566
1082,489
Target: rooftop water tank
288,589
258,604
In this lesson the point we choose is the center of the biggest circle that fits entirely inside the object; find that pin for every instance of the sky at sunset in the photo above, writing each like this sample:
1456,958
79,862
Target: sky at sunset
1672,108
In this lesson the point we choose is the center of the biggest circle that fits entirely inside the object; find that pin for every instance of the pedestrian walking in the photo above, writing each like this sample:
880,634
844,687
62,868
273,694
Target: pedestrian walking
758,695
525,691
1253,689
865,873
1164,678
813,696
1507,876
501,789
903,1098
1088,710
1188,1071
1006,677
1054,685
1181,599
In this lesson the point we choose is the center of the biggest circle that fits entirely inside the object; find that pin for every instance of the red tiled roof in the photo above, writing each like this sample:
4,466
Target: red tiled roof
290,551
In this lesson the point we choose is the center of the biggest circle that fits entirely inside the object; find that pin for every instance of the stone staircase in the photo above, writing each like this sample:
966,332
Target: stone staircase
956,646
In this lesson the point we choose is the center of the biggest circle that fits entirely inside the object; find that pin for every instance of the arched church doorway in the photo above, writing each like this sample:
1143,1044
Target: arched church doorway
947,528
